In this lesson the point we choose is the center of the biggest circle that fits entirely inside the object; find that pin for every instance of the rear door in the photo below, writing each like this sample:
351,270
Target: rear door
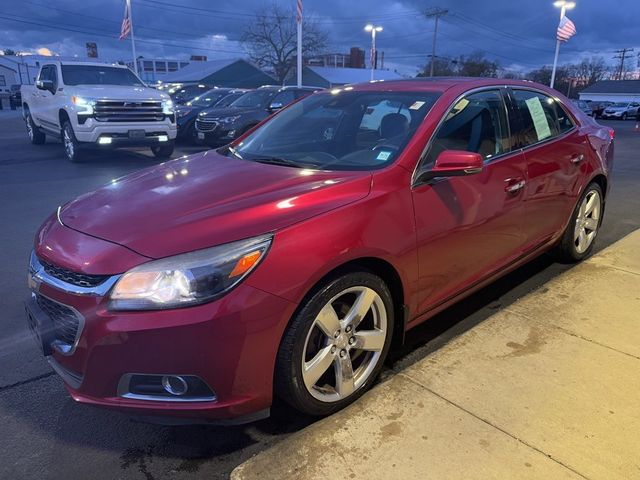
469,227
554,149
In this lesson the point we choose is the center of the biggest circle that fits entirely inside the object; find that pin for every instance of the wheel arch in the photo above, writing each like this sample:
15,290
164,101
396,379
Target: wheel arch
602,181
62,117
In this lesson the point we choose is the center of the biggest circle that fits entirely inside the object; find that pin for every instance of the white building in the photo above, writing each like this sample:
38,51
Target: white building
153,69
612,91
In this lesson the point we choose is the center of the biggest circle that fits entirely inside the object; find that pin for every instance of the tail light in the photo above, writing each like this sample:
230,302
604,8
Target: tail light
612,133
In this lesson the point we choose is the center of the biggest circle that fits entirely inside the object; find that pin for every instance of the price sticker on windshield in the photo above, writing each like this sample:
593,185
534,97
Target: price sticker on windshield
383,156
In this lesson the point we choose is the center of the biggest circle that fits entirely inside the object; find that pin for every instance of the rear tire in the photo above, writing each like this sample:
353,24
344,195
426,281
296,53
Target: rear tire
72,149
164,151
335,346
579,238
36,136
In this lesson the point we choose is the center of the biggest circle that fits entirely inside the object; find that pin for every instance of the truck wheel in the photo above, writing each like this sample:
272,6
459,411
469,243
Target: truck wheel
164,151
72,148
36,136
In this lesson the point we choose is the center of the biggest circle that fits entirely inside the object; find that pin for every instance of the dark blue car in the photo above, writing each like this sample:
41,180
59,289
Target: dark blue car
186,114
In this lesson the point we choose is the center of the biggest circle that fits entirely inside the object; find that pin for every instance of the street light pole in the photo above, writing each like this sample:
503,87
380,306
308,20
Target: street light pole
564,6
435,13
373,29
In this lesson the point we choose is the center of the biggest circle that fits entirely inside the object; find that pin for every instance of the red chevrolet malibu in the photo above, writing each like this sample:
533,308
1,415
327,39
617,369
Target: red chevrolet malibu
287,262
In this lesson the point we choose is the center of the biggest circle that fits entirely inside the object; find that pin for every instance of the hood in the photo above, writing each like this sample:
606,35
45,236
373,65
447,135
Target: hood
616,109
116,92
206,200
227,112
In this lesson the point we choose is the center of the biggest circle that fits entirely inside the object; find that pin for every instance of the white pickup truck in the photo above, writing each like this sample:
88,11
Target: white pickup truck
94,105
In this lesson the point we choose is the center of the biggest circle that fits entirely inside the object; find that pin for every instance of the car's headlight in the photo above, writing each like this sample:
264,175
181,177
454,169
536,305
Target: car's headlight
167,107
183,112
84,105
190,278
229,119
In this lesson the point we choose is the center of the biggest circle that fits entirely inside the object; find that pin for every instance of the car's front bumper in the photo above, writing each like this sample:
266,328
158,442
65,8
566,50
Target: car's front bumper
91,131
230,344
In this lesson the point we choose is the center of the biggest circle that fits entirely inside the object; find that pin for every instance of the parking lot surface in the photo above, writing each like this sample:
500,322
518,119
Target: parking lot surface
46,435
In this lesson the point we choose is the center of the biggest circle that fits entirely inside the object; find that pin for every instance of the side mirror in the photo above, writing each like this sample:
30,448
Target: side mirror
44,85
453,163
275,106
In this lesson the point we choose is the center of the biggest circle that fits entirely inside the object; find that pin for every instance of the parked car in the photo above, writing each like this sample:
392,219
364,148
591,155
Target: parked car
584,106
186,114
290,261
621,110
218,126
598,107
92,105
15,97
184,93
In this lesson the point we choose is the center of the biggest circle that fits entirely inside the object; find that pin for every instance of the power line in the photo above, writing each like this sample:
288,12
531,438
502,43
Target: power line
622,53
435,13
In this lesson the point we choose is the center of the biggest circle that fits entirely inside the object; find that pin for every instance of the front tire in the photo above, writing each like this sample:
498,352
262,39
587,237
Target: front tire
164,151
36,136
579,237
72,149
624,116
335,346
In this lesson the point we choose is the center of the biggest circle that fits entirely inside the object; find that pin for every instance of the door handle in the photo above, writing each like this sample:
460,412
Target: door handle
514,185
577,158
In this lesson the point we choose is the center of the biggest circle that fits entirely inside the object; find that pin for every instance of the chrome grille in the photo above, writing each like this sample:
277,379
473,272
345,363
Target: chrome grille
203,125
78,279
66,322
128,111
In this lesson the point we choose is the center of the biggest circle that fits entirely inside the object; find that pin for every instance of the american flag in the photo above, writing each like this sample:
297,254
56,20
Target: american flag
125,29
566,30
299,11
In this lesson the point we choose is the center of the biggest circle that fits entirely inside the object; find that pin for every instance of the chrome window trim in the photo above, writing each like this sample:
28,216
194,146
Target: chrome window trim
500,88
61,347
39,275
123,390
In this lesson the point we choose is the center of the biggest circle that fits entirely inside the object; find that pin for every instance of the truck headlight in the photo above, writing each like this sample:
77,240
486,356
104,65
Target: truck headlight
167,107
190,278
84,105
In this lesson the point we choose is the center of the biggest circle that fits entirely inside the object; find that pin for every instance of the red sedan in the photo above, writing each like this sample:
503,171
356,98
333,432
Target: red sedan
286,263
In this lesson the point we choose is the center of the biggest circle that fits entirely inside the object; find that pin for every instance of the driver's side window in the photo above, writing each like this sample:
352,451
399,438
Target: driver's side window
476,123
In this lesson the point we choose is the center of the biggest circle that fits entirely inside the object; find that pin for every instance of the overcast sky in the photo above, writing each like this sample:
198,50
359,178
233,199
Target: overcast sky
519,34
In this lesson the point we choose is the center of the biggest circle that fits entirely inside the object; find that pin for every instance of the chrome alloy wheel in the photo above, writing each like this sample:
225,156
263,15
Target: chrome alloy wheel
587,221
68,143
349,335
29,127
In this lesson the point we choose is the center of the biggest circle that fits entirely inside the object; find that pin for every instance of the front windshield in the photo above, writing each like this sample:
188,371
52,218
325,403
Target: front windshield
255,99
98,75
228,100
207,99
349,130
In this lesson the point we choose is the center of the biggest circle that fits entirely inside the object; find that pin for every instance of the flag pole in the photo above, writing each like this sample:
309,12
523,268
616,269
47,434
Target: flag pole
133,41
555,58
299,18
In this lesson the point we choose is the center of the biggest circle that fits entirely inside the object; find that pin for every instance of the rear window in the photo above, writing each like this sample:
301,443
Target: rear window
98,75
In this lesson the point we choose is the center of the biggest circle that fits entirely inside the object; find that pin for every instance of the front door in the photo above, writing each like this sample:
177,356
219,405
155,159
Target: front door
469,227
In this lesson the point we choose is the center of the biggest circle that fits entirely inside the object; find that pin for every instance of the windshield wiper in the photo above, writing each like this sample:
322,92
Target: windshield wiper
279,161
234,152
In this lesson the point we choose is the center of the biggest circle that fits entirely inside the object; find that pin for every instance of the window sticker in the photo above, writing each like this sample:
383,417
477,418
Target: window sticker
383,156
539,118
416,105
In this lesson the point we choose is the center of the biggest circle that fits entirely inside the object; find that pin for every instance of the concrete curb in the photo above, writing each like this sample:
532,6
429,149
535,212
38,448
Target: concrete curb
548,387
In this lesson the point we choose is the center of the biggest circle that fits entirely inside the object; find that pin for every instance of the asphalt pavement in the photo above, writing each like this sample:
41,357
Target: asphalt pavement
46,435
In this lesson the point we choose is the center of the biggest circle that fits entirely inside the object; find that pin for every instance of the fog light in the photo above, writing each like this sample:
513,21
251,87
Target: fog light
163,138
174,385
104,140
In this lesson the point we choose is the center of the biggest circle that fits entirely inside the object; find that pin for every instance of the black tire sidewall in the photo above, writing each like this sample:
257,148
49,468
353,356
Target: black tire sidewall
289,383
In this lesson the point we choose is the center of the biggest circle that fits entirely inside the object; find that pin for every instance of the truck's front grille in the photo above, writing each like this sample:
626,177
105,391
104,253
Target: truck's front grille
74,278
128,111
203,125
66,322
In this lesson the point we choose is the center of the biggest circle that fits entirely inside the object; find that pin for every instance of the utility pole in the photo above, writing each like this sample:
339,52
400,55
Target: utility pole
435,13
622,53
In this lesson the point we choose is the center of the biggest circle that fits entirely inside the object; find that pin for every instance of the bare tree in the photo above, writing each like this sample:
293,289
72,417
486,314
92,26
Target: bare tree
592,70
270,39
